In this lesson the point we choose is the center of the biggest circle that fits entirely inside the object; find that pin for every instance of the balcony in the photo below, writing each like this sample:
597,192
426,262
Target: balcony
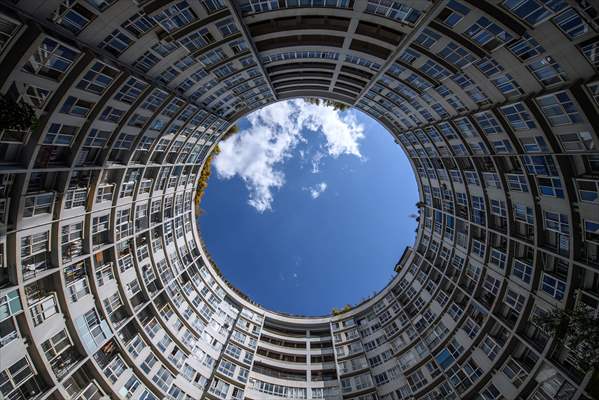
72,250
104,193
15,136
42,306
127,189
35,264
8,332
76,197
554,388
38,204
100,238
145,186
104,273
78,289
64,362
87,392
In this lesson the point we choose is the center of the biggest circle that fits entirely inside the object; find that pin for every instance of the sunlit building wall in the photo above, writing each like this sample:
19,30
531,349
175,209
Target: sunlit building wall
106,290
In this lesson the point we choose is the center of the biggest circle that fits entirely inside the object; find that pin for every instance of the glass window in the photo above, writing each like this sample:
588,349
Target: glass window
453,13
550,187
393,9
559,109
488,34
534,144
60,134
428,38
514,300
197,39
588,190
523,213
147,61
540,165
526,48
98,78
131,90
517,182
591,231
488,123
73,16
522,270
518,116
571,23
51,60
434,70
457,55
38,204
556,222
577,141
212,6
227,27
111,114
116,43
534,11
555,287
101,5
139,24
547,71
8,30
591,52
175,16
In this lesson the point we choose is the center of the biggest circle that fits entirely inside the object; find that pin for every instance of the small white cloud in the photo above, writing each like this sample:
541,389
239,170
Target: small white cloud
294,275
316,190
255,154
316,158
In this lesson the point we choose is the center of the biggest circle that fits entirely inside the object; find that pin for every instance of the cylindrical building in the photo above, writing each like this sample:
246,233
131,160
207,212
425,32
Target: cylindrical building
106,291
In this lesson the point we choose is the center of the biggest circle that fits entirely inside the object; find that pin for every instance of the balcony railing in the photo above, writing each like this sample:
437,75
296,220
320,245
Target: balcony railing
63,363
89,392
43,307
9,337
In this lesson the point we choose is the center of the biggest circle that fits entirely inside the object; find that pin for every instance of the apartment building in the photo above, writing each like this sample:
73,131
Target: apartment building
106,291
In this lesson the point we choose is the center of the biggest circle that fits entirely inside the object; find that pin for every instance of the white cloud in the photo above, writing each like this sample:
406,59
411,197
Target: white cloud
255,154
316,158
316,190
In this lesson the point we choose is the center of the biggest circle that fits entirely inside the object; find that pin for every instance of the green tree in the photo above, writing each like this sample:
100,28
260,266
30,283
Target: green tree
207,168
205,175
336,311
16,115
232,130
577,330
336,105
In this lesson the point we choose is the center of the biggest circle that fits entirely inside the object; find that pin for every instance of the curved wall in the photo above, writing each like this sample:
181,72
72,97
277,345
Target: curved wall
105,290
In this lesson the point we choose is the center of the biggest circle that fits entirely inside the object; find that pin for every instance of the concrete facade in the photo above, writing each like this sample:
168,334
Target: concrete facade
106,290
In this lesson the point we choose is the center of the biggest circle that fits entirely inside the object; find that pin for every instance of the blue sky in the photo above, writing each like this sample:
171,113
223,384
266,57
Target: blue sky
309,209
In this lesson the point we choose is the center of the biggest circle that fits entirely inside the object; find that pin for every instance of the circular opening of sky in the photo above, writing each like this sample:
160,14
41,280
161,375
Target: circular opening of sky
308,208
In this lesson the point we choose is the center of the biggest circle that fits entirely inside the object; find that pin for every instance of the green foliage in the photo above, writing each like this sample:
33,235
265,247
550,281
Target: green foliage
345,309
336,105
205,175
232,130
577,330
16,115
210,259
207,168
